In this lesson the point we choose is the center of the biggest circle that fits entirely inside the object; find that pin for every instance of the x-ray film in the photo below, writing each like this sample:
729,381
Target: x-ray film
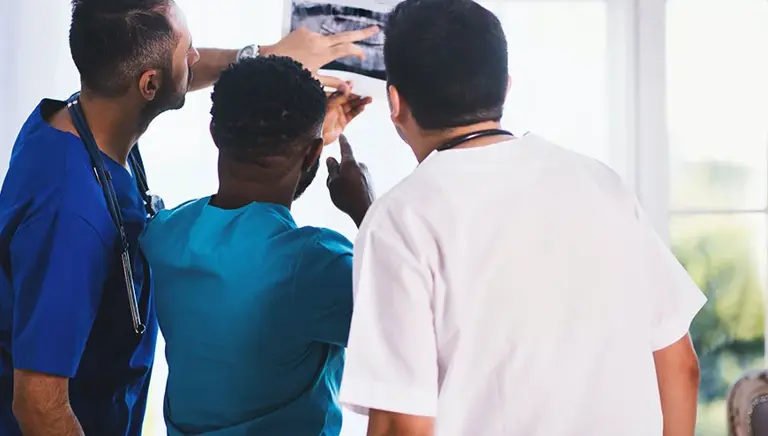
337,16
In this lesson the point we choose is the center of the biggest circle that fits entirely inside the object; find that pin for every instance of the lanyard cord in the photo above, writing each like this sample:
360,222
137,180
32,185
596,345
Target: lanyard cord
104,178
455,142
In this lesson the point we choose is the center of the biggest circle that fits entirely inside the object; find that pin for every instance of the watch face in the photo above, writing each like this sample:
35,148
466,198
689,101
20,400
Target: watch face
247,52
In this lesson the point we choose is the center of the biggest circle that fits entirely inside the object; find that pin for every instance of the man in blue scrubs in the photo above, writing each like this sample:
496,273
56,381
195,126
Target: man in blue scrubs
255,310
70,360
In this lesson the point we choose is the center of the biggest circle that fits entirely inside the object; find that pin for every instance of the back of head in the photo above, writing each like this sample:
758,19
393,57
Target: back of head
267,109
448,61
113,42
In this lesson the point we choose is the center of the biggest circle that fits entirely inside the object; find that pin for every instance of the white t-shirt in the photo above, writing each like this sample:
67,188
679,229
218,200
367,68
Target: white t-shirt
514,290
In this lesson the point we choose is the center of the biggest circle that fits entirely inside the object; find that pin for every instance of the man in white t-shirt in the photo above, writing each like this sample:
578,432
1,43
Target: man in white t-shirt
508,287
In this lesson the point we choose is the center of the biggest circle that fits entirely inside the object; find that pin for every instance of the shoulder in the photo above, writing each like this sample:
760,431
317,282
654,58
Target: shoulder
322,242
45,147
174,217
398,214
325,255
584,179
179,212
50,169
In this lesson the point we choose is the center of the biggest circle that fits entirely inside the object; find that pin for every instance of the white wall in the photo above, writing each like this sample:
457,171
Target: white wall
36,62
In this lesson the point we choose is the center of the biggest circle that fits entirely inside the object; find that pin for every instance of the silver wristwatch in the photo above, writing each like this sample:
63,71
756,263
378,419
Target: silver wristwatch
249,51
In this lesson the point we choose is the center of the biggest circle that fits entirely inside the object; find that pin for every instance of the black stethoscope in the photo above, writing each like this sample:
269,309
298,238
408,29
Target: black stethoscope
152,203
455,142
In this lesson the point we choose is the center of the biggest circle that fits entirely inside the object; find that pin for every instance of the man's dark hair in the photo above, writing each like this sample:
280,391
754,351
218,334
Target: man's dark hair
448,60
113,42
267,107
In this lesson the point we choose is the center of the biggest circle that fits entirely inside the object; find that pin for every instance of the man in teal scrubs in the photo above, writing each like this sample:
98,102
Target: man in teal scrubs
255,310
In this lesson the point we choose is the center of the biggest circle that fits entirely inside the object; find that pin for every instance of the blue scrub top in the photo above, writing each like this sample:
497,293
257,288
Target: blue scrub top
255,312
63,303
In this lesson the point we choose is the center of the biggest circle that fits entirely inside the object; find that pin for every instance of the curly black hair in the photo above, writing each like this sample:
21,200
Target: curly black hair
113,42
266,107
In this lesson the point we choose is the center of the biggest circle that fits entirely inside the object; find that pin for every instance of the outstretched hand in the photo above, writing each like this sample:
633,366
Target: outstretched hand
341,109
314,50
349,183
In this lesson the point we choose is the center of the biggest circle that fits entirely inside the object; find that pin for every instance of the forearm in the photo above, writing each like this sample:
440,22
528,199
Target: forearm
55,421
358,217
212,63
383,423
678,406
677,371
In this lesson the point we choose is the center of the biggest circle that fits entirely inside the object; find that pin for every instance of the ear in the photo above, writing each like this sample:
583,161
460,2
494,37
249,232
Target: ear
396,111
509,84
313,154
213,137
149,84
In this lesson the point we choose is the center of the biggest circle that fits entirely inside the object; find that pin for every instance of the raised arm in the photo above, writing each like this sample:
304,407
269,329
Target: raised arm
213,61
350,184
313,50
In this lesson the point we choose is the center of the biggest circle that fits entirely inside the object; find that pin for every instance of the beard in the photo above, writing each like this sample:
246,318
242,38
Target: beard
306,179
168,97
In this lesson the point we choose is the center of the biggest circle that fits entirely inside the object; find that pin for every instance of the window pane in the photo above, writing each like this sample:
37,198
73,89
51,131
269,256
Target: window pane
726,255
718,103
557,61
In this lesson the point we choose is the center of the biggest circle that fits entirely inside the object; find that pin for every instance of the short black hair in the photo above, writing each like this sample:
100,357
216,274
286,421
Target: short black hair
267,107
113,42
448,59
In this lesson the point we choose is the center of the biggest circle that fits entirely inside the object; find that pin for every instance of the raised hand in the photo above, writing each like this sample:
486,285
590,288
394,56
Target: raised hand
342,108
314,50
349,183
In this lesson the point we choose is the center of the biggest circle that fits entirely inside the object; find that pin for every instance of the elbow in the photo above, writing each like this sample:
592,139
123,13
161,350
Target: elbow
694,371
21,410
27,411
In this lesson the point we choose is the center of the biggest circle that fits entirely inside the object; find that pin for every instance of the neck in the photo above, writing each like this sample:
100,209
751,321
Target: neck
432,140
114,123
239,186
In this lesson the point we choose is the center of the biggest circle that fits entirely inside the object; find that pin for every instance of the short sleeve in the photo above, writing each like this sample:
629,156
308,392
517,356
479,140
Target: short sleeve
392,356
59,264
677,298
324,288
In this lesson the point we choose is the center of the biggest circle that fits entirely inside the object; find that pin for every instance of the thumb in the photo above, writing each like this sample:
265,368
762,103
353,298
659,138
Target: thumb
333,168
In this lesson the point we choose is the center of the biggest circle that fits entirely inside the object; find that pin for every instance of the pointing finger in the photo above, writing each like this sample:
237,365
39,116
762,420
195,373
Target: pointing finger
352,35
346,149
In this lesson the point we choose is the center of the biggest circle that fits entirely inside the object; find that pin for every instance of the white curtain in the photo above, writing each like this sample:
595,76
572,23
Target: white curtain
558,60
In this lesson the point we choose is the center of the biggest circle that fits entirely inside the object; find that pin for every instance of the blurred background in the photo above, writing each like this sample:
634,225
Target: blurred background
672,94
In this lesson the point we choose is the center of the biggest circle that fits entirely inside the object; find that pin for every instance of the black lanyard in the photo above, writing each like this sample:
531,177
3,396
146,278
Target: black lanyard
455,142
104,178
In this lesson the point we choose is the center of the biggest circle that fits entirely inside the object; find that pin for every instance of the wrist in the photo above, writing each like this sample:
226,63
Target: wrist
249,51
359,214
266,50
